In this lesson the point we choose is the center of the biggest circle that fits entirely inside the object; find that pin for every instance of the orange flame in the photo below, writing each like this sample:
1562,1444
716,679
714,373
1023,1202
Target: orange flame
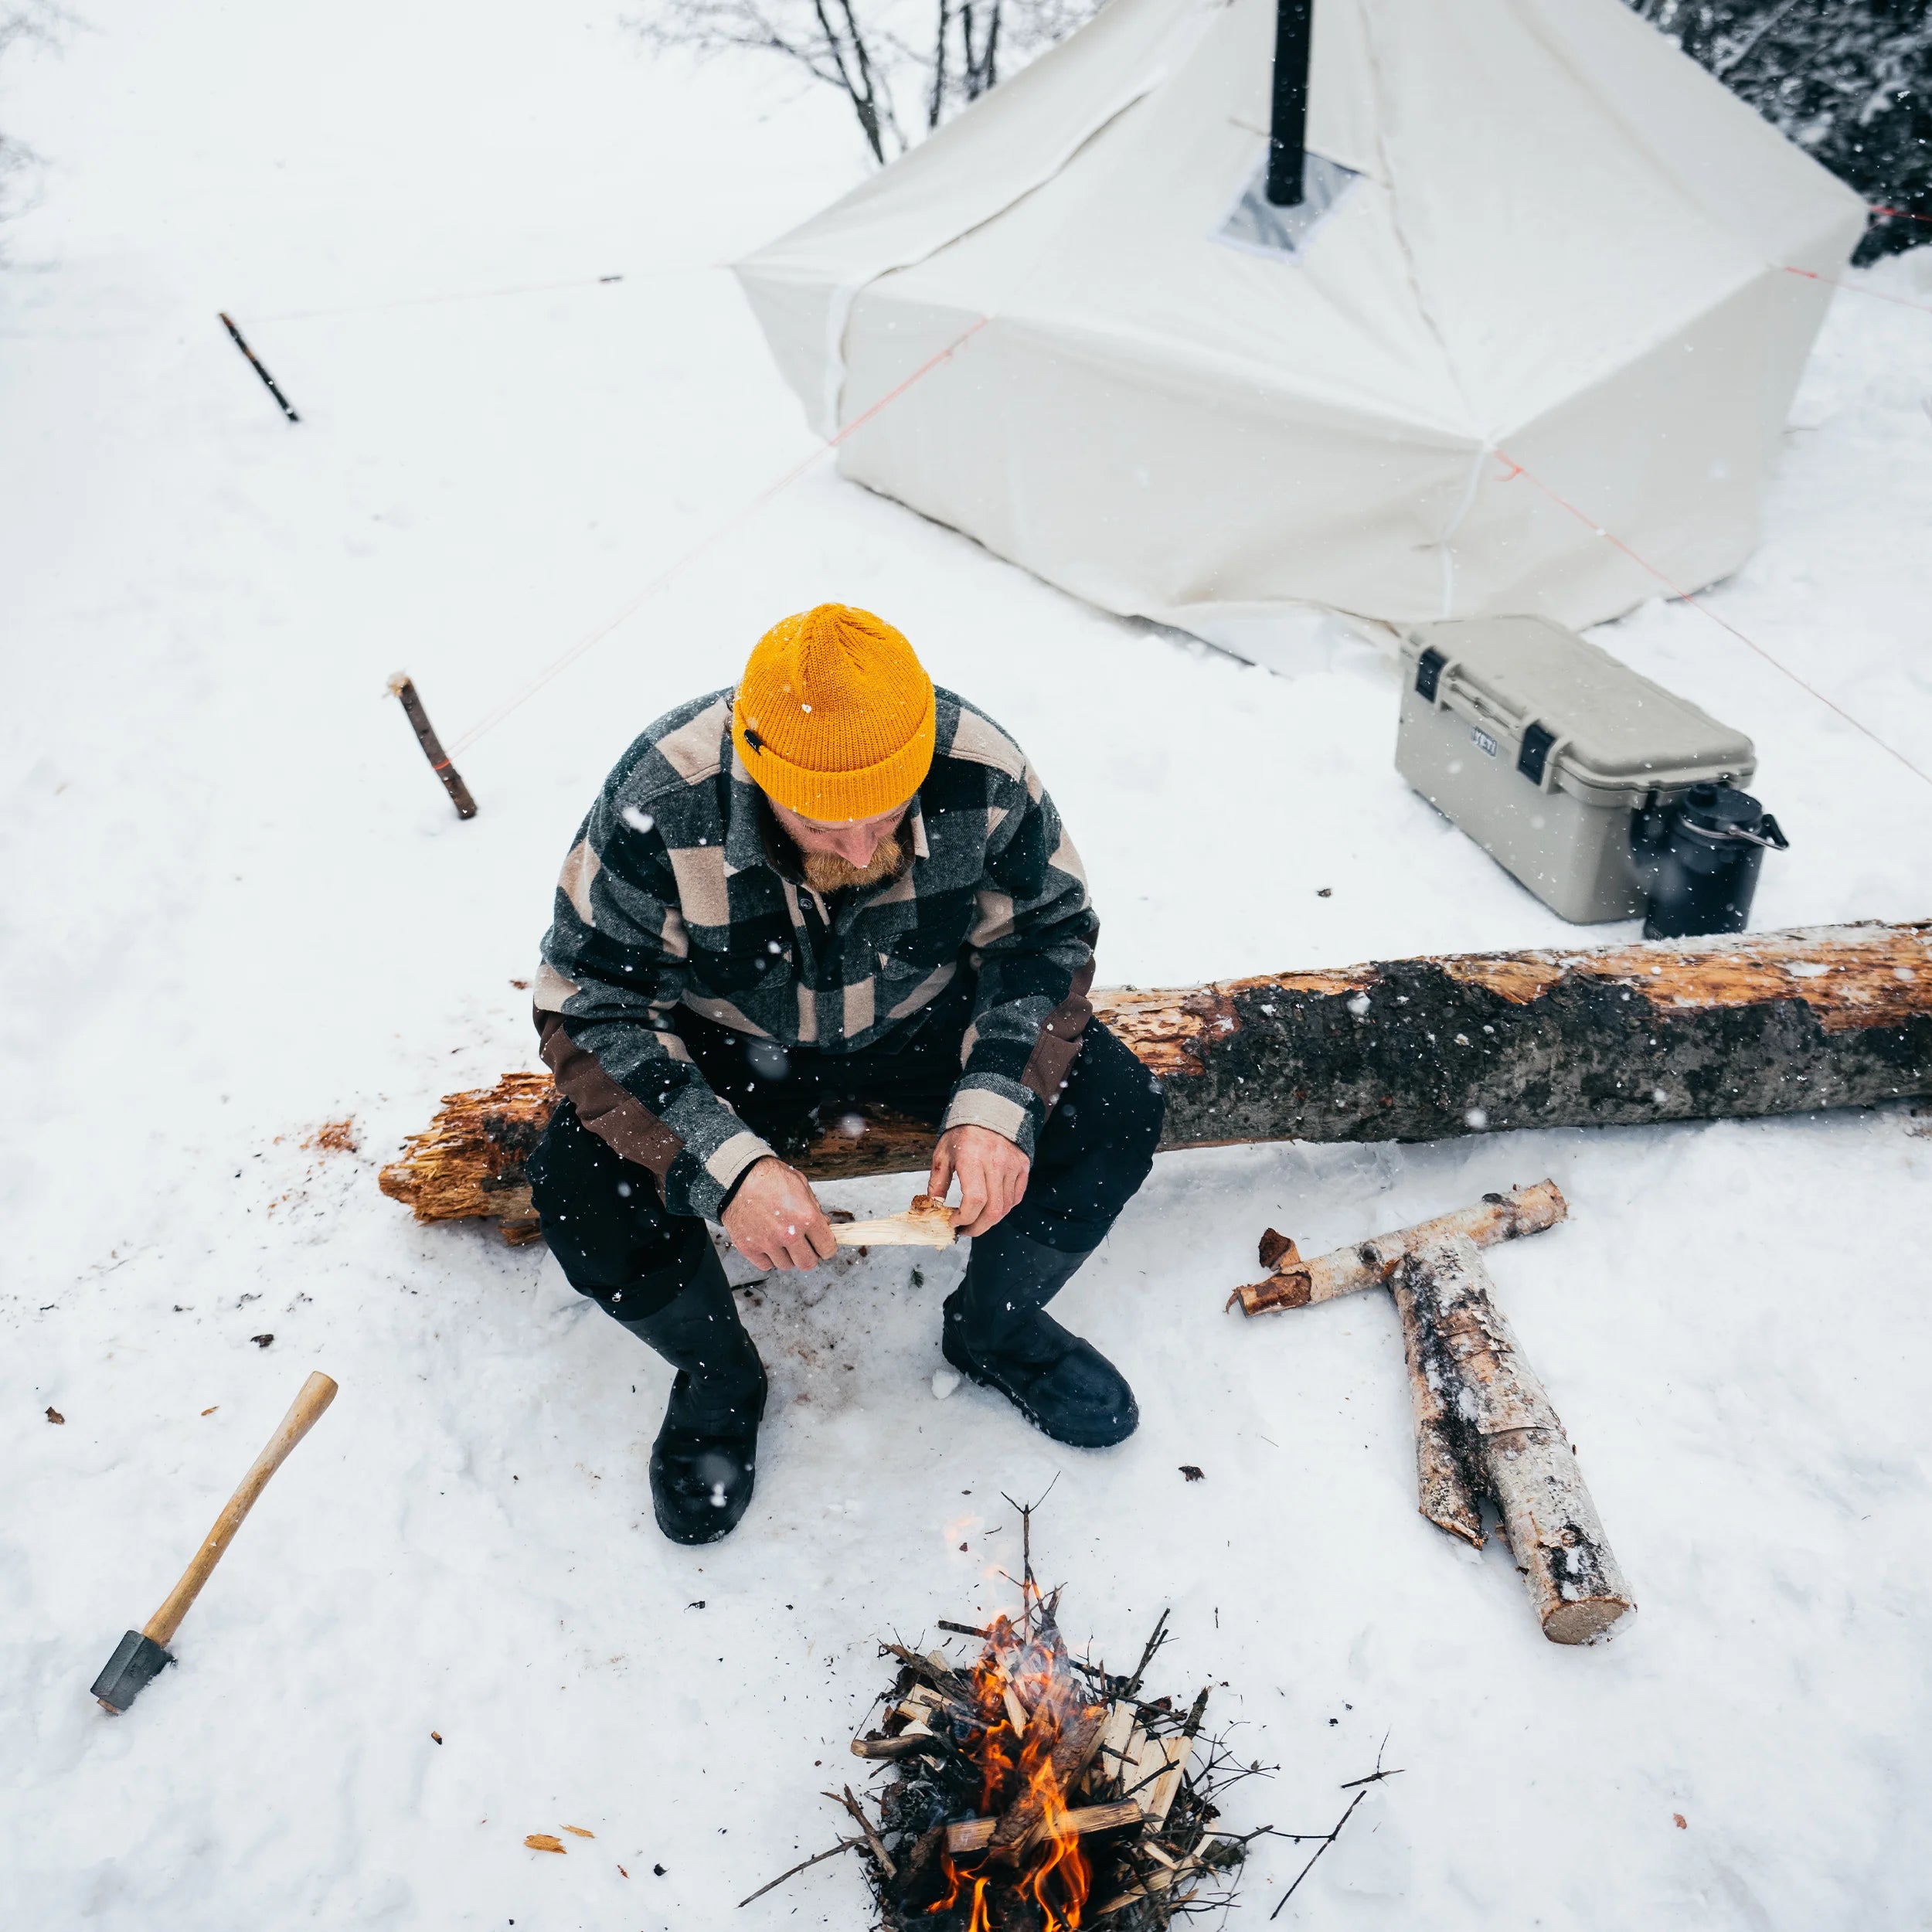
1054,1875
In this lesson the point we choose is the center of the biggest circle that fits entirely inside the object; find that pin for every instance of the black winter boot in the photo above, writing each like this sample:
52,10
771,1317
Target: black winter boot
705,1458
996,1333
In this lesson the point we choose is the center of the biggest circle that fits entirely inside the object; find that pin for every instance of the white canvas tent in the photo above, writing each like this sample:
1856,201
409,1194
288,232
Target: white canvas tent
1551,235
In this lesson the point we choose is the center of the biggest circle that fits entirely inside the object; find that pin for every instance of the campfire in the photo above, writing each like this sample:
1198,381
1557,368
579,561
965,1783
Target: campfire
1032,1792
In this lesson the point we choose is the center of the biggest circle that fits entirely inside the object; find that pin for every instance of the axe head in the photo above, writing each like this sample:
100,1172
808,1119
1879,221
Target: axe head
137,1660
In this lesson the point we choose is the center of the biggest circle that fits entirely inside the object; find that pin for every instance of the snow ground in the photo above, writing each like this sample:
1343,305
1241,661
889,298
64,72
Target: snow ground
236,907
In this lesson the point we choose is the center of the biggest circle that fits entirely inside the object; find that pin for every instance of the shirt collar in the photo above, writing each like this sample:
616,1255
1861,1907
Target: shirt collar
747,822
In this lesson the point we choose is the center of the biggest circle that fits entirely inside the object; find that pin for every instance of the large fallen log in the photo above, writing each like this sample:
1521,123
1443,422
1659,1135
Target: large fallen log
1414,1049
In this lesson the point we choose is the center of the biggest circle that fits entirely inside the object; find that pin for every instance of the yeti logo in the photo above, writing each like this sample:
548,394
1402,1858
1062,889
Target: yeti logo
1479,736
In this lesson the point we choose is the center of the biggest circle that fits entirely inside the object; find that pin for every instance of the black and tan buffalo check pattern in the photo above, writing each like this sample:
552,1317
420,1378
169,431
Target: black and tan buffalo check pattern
680,892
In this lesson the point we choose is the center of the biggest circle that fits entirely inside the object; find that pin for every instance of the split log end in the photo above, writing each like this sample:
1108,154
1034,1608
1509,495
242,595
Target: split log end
1443,1486
1293,1290
1588,1618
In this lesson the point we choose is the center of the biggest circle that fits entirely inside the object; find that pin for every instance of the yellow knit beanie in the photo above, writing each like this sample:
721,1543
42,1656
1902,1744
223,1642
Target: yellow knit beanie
833,715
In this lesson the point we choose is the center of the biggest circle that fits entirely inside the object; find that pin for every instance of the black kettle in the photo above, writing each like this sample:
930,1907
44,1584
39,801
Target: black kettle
1697,859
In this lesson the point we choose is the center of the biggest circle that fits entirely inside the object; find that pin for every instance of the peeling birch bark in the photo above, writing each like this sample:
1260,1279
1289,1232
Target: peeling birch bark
1484,1425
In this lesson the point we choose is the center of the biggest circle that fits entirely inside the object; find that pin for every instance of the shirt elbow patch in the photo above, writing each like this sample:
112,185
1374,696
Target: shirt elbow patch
579,875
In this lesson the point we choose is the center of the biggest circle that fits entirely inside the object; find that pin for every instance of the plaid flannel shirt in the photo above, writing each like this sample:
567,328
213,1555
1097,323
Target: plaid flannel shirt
679,891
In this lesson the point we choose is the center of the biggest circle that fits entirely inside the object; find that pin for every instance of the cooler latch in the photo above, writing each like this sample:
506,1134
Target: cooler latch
1429,668
1535,754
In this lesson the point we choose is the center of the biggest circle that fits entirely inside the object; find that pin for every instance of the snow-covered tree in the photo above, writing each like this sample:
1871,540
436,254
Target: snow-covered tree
1849,80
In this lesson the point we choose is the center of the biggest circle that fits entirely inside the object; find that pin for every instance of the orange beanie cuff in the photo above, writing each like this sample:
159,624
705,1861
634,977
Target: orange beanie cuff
834,716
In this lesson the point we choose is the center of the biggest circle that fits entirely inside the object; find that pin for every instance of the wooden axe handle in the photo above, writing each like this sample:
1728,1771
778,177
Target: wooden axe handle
317,1393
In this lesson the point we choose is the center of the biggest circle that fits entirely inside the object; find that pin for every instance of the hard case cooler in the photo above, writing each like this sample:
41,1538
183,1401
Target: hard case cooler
1540,747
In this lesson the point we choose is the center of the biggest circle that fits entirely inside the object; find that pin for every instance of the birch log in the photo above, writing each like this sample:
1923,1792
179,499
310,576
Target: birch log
1416,1049
1483,1426
1295,1283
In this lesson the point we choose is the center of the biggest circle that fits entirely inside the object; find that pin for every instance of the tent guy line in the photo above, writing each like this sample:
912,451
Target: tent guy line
1877,294
1878,212
1696,603
493,294
672,571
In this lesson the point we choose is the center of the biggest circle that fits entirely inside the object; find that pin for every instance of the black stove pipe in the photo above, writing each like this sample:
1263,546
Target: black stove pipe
1288,129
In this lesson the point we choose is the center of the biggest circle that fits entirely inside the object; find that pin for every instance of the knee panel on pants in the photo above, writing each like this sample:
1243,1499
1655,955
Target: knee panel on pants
603,1217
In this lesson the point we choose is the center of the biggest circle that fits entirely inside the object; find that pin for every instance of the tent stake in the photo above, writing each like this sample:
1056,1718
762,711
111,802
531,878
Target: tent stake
288,408
404,688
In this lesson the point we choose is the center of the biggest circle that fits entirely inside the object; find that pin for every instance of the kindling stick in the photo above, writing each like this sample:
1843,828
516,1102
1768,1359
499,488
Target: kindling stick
404,686
928,1223
241,343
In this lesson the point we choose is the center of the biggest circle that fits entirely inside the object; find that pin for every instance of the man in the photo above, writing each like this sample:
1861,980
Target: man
832,884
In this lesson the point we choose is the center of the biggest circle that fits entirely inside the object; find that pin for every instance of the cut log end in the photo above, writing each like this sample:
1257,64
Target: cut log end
1585,1620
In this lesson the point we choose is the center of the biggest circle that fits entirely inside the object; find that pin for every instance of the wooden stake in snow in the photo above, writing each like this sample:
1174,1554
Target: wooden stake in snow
255,363
403,687
1484,1425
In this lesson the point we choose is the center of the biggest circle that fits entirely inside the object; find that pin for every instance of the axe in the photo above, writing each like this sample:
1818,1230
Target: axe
142,1655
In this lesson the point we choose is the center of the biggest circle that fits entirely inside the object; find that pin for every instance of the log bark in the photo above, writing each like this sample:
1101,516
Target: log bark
1484,1427
1295,1283
1733,1026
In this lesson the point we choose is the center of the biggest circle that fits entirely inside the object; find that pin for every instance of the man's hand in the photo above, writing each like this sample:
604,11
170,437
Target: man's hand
774,1220
992,1176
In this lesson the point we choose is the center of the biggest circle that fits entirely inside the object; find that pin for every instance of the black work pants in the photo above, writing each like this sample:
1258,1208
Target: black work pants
607,1223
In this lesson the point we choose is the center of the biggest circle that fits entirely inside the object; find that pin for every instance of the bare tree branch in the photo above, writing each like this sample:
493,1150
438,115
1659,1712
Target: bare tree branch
852,45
